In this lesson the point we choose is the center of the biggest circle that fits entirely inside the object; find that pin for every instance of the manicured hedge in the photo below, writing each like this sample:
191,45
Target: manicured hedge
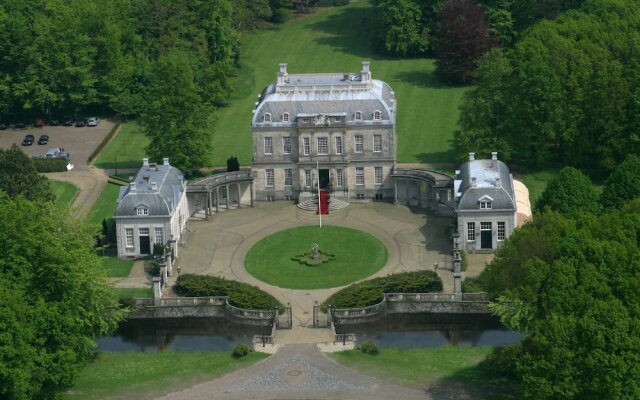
240,294
104,142
44,165
371,292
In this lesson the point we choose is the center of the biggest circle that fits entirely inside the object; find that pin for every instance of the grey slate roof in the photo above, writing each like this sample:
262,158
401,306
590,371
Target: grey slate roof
325,94
485,173
158,189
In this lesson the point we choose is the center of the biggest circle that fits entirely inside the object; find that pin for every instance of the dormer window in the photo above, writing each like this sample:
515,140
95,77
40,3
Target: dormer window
285,117
357,116
337,119
376,115
142,211
485,205
267,117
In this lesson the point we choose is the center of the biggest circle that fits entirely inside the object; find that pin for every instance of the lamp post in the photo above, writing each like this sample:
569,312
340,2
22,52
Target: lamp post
319,204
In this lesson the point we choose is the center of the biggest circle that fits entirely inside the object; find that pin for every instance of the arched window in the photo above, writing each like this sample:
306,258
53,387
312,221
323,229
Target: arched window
376,115
358,116
285,117
267,117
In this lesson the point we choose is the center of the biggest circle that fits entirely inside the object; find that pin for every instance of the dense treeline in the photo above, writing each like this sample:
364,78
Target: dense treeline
566,93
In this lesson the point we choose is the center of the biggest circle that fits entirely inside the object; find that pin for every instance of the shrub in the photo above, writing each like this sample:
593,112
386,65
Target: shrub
464,261
154,268
240,350
472,285
240,294
371,292
369,348
502,360
281,15
44,165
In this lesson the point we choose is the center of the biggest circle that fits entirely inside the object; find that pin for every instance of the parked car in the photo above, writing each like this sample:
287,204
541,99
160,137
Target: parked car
28,140
54,122
20,124
67,121
39,122
57,152
3,125
93,121
43,139
79,123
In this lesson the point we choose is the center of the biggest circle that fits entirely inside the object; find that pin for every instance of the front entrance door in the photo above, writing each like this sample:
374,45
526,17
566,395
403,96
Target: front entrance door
324,178
145,245
485,235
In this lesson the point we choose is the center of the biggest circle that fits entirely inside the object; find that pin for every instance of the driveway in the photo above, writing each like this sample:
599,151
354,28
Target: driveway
78,142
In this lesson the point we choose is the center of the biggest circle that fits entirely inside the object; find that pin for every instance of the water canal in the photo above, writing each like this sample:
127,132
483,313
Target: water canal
396,330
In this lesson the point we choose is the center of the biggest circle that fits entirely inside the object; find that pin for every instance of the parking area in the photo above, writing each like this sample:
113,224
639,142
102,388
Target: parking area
78,142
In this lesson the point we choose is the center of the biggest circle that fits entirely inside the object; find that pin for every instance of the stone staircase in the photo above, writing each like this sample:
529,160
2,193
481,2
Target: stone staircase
310,217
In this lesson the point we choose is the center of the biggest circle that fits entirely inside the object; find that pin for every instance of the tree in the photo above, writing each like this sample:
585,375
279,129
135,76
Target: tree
623,184
462,38
53,299
177,120
569,192
18,176
399,29
233,164
573,285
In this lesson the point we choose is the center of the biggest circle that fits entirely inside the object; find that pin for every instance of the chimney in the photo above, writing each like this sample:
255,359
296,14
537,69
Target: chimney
473,182
165,161
472,156
145,162
282,74
132,187
154,186
494,155
498,183
365,74
145,179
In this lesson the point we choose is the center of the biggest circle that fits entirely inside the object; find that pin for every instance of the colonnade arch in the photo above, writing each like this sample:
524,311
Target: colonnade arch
423,188
220,191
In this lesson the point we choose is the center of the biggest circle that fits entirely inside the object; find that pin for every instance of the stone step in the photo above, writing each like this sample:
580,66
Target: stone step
311,218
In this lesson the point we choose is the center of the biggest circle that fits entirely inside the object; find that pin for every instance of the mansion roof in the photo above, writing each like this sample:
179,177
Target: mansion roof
158,188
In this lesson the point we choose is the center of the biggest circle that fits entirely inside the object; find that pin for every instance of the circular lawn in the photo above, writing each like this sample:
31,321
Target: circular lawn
357,255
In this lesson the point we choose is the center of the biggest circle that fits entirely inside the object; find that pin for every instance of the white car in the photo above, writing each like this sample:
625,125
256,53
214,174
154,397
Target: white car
93,121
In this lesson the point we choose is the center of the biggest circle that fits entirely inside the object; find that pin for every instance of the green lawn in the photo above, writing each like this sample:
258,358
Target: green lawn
105,206
115,268
537,181
429,367
65,192
134,292
358,255
126,149
331,40
148,375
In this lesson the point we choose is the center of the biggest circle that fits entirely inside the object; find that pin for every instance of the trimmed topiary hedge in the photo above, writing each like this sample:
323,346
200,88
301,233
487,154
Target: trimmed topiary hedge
371,292
240,294
44,165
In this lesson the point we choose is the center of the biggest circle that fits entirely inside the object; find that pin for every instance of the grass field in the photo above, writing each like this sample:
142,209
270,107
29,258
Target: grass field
331,40
148,375
433,368
358,255
105,206
126,150
115,268
65,192
134,292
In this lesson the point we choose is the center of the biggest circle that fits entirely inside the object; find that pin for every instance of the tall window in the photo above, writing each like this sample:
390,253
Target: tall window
501,230
142,211
376,115
269,177
286,145
359,176
307,178
338,144
358,143
129,235
339,177
378,175
268,145
471,231
377,143
285,117
357,116
267,117
159,236
323,145
305,146
288,177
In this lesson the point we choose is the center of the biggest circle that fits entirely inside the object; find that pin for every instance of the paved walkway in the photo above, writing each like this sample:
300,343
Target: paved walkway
218,247
297,372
